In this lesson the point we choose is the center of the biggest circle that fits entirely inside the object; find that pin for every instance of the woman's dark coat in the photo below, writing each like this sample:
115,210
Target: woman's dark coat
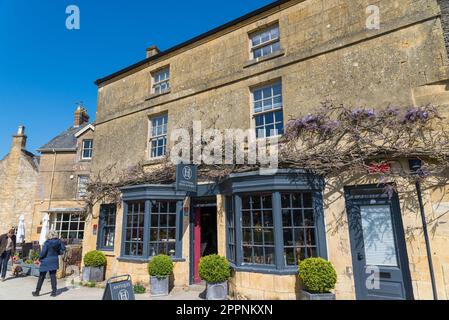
49,256
4,243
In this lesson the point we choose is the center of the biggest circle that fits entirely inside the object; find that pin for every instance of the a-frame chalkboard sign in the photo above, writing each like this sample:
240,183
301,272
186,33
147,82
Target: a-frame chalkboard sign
119,288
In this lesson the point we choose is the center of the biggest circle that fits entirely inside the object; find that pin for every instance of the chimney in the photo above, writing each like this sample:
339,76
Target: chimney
19,140
81,116
152,51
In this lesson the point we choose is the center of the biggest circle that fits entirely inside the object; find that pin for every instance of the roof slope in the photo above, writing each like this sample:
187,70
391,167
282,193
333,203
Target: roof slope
193,40
65,141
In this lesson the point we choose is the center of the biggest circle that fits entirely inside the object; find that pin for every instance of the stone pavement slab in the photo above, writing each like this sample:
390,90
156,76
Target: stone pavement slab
21,288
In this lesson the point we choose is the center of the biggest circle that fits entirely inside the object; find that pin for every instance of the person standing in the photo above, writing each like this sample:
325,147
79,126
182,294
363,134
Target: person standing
49,262
7,249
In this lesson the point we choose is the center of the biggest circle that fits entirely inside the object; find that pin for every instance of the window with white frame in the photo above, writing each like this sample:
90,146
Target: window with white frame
265,42
86,152
158,136
69,225
161,80
82,186
267,110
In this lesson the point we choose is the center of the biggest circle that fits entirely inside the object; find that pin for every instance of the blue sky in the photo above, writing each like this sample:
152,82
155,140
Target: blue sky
45,68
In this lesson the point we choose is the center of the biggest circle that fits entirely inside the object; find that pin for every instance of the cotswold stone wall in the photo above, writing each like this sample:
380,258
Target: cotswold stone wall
328,53
18,180
444,5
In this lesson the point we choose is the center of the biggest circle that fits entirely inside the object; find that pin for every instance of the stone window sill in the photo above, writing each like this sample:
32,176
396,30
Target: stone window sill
264,270
155,95
145,260
154,161
262,59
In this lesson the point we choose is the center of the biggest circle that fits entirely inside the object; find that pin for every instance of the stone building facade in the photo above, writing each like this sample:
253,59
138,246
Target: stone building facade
18,179
64,172
298,54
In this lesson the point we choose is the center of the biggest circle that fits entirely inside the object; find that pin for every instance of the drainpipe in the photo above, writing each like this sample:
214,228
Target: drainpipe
415,166
52,179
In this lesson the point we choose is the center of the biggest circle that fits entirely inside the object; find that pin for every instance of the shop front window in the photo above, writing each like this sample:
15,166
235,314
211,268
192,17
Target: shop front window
163,228
135,226
106,232
271,231
257,229
70,226
151,228
298,223
230,228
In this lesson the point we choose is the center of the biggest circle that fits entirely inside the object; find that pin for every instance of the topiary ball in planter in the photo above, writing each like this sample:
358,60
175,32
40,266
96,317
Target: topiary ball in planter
94,263
215,270
160,268
318,277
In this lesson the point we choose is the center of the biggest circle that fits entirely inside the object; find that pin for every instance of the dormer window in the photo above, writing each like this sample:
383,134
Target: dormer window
86,152
161,81
265,42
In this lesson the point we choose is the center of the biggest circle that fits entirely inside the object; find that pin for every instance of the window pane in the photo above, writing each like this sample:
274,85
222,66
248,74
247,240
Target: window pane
378,235
290,257
286,218
288,237
258,240
257,219
268,237
267,218
247,236
269,255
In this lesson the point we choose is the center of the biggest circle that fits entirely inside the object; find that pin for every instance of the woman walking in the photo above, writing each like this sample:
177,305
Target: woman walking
49,261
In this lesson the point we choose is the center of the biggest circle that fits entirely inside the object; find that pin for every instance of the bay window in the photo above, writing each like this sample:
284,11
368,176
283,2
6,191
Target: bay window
151,225
272,229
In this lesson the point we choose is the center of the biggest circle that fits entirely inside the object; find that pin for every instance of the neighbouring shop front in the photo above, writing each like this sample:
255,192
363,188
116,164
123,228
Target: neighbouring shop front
263,225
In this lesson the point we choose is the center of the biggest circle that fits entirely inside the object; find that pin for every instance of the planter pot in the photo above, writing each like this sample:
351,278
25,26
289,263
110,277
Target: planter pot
93,274
217,291
26,269
34,271
159,286
9,266
305,295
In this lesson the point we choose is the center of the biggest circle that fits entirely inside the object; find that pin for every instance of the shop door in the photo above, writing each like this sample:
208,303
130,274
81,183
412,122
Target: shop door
378,246
205,235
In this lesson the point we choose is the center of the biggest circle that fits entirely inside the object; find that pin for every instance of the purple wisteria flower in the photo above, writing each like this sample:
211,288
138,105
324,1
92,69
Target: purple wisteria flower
415,114
361,114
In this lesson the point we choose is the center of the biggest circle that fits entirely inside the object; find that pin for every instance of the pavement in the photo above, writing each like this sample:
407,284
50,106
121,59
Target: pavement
20,289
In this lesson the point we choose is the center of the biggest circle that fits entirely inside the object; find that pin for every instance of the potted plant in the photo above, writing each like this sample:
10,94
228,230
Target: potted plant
160,268
215,270
94,263
26,267
34,265
14,260
318,278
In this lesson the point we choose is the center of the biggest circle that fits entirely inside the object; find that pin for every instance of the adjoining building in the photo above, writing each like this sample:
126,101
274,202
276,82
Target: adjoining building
277,62
63,175
19,171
